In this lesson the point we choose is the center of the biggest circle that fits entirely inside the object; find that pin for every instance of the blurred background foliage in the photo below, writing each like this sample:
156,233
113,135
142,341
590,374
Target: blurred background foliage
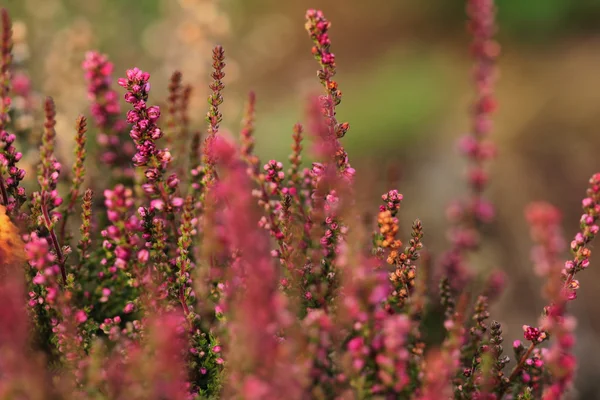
404,69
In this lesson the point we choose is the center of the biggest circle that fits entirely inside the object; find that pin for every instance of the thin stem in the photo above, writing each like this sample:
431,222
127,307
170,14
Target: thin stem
516,370
519,366
54,239
186,310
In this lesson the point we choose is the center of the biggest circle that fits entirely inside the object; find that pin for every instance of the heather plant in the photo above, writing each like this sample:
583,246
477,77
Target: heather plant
200,272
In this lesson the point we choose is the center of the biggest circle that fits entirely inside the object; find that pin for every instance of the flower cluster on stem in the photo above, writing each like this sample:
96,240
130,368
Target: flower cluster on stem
48,198
106,111
145,134
11,194
78,171
468,215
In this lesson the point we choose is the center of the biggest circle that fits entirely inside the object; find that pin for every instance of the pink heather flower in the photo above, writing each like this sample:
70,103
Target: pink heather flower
392,200
21,84
355,345
105,294
80,316
144,131
143,256
534,335
106,111
484,211
157,204
177,202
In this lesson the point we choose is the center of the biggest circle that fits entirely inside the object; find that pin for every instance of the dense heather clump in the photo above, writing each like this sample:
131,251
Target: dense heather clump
200,272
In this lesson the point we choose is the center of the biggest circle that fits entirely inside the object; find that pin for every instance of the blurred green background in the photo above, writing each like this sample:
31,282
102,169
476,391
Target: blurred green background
404,69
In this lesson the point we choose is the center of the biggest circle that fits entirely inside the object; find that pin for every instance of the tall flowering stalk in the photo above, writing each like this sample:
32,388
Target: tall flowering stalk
567,289
183,261
214,116
329,179
202,173
545,221
318,27
106,113
477,146
86,221
78,171
468,215
246,135
48,198
145,134
296,157
173,103
324,224
11,194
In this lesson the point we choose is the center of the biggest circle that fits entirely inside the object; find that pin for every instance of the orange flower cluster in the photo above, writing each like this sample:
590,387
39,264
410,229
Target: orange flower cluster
11,246
388,227
403,278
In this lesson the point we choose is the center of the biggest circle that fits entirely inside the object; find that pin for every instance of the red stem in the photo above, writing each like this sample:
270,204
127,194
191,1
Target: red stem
517,369
519,366
186,310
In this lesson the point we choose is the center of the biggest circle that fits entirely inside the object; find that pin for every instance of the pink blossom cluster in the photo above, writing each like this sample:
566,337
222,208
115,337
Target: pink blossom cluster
118,242
392,200
12,193
106,110
469,214
48,272
144,132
